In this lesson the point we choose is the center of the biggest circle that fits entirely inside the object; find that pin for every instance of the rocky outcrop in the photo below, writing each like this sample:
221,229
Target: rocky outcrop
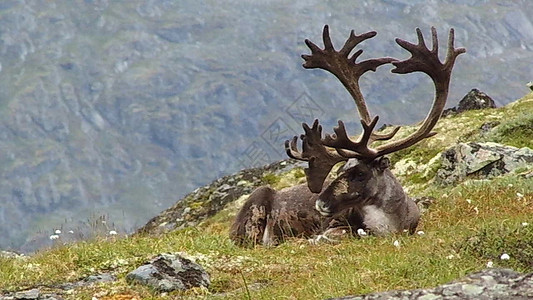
484,285
169,272
58,292
482,160
475,99
208,200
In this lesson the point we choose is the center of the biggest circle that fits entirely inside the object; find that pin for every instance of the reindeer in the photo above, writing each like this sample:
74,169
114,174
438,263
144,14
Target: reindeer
365,195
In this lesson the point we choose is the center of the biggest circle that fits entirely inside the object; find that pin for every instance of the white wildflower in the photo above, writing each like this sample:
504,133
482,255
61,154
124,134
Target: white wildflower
469,201
519,195
396,244
57,231
420,232
490,264
361,232
54,237
505,256
112,232
476,210
524,224
451,256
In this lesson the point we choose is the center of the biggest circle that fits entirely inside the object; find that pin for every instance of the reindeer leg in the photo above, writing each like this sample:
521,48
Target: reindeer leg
339,226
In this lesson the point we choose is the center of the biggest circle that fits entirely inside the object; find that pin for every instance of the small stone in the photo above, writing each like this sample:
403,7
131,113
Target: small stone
420,232
472,290
505,256
429,297
29,294
396,244
168,272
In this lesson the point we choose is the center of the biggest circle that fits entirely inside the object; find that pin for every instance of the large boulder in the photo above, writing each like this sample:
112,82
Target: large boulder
482,160
169,272
483,285
475,99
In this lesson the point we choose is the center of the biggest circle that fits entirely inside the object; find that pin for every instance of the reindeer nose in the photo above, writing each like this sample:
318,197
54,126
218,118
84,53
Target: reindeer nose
322,208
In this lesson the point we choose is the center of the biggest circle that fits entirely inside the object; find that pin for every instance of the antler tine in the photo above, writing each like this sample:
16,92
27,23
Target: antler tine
345,68
453,52
427,61
319,158
291,148
348,148
384,137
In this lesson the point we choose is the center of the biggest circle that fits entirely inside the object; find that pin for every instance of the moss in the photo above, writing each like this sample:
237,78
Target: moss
490,242
270,178
517,132
420,154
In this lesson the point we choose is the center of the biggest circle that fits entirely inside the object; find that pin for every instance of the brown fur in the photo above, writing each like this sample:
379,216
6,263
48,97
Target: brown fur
268,217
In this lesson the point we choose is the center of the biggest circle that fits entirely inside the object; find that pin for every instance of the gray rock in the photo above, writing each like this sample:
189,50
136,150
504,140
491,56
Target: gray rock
9,254
486,284
104,277
168,272
29,294
475,99
483,160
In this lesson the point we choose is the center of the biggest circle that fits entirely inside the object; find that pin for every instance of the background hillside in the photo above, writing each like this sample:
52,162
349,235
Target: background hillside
122,107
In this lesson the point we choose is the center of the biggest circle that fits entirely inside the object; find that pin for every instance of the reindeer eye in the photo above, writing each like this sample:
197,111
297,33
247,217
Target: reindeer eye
358,176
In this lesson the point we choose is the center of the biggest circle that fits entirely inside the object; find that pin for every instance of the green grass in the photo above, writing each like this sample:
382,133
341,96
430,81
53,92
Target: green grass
460,237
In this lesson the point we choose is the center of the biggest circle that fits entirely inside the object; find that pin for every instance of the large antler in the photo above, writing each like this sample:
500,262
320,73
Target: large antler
344,67
422,60
320,159
348,71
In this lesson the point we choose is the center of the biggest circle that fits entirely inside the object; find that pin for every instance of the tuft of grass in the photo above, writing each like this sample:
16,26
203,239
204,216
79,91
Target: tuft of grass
491,241
518,132
270,178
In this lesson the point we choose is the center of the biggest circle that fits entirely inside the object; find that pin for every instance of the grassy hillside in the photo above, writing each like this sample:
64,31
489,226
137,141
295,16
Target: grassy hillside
466,227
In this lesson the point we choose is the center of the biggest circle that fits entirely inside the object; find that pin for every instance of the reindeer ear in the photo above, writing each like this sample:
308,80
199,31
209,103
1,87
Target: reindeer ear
383,163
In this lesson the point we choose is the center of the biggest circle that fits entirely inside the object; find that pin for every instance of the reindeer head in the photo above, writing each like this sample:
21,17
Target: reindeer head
366,176
357,184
